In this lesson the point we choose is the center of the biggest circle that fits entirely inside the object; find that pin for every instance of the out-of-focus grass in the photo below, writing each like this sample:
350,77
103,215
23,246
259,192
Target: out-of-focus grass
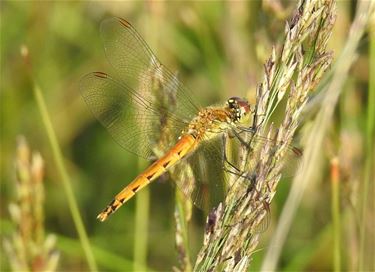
63,176
336,213
219,49
29,248
71,248
367,239
141,221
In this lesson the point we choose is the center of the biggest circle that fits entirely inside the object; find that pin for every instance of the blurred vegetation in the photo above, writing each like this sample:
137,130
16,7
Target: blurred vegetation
219,49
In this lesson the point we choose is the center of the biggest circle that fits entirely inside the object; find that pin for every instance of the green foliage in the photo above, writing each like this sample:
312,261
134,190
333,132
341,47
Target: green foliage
219,49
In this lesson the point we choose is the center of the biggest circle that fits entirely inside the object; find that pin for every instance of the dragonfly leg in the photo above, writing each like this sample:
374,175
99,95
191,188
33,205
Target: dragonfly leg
226,160
234,169
236,173
246,129
243,142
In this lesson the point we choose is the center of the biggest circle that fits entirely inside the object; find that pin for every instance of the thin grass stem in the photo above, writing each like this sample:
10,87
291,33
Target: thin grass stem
141,225
57,155
369,161
336,215
182,217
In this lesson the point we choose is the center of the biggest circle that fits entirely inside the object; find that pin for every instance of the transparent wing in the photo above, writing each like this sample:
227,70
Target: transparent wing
201,177
133,121
145,104
136,65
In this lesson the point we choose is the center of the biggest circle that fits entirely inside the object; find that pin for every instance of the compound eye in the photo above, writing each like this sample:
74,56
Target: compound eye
233,102
239,104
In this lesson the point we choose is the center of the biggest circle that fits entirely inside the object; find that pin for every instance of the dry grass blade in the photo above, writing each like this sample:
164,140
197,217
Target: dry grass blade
291,73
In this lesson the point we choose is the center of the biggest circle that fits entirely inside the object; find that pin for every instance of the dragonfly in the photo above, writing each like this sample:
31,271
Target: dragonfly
143,101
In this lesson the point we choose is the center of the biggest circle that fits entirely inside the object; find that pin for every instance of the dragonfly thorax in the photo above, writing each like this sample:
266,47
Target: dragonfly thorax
213,120
209,122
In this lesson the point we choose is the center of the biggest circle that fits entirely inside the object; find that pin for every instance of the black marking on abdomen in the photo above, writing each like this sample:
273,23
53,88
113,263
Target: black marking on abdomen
150,176
165,165
135,189
112,205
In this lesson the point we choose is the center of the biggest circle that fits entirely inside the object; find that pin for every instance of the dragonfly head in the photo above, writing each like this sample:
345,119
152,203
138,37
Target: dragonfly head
240,109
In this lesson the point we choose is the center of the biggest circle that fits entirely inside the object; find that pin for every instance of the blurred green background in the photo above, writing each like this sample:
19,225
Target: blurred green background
218,49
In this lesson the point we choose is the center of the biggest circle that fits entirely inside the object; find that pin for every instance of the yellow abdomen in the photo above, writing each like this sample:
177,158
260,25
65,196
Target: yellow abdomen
184,146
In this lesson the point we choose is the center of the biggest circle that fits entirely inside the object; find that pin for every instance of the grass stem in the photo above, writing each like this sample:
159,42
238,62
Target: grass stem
370,130
182,216
335,209
141,225
57,155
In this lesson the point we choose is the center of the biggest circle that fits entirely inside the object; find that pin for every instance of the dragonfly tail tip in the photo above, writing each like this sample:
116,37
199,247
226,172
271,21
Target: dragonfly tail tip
102,217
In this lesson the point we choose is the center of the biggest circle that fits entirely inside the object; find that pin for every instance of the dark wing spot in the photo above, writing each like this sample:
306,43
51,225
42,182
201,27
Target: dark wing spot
100,74
124,22
298,152
165,165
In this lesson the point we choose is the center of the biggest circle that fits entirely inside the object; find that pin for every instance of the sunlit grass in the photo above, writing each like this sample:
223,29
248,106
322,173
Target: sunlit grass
57,155
336,213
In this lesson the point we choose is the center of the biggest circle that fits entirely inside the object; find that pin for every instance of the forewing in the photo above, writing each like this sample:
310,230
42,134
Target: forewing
145,106
132,120
136,65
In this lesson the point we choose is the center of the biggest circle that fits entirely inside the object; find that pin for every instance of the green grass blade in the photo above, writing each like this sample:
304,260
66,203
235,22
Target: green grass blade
369,174
70,247
57,155
141,227
336,216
